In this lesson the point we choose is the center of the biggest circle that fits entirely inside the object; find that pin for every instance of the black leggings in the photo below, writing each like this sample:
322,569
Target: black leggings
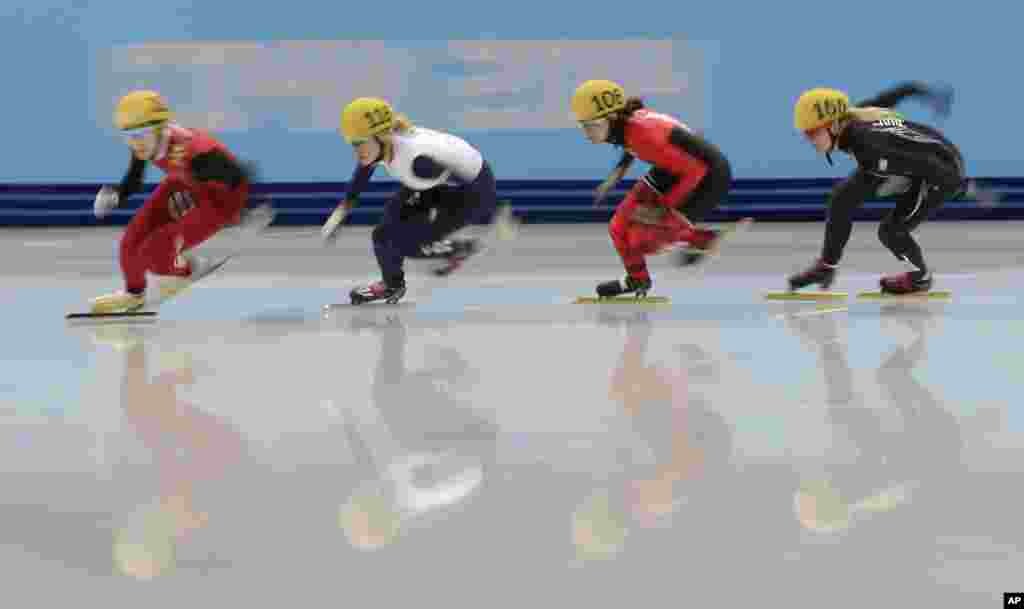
406,226
912,208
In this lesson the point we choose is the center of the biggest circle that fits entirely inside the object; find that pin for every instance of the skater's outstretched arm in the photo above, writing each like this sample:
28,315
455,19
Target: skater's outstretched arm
131,183
110,197
360,180
619,172
940,100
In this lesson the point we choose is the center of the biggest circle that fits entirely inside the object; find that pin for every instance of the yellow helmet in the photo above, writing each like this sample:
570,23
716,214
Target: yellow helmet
818,107
596,99
141,109
365,117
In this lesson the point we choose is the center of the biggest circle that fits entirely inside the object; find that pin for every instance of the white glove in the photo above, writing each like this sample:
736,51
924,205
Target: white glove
506,225
329,232
106,200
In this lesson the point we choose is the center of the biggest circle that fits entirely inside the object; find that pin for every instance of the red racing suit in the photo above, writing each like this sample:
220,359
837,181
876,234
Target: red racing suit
204,190
689,174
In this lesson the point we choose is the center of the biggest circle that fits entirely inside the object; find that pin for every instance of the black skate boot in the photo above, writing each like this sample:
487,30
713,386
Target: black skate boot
707,242
455,252
378,290
819,273
629,285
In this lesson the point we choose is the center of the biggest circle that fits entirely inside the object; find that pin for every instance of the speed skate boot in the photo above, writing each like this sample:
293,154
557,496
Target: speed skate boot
819,273
378,290
629,285
455,252
906,283
198,268
708,242
118,302
699,249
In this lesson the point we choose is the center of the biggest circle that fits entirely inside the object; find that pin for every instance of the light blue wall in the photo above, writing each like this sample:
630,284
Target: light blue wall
753,58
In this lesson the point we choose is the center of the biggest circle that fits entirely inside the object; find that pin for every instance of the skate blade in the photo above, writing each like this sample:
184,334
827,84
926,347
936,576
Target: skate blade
808,296
127,317
403,304
914,296
622,300
174,287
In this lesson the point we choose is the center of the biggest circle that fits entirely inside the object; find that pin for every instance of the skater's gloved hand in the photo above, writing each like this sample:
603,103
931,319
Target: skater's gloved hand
329,232
106,200
602,190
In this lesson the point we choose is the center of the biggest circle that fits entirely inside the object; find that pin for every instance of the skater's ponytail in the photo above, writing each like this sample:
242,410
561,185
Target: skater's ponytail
632,105
870,114
617,134
403,124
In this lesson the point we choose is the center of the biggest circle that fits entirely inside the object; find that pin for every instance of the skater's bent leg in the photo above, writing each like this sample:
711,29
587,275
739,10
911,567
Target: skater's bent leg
846,198
626,237
397,213
911,209
153,215
458,207
162,250
474,203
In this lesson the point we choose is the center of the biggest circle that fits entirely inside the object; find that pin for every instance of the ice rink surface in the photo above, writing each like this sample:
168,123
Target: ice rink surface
487,443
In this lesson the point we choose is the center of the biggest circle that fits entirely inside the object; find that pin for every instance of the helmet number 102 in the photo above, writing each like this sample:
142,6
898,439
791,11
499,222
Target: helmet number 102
607,100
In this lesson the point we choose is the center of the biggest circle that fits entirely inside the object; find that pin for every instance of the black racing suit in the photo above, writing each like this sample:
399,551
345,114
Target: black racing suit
914,163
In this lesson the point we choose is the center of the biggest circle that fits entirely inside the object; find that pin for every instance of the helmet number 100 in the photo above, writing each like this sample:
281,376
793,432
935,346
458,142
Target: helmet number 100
829,108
